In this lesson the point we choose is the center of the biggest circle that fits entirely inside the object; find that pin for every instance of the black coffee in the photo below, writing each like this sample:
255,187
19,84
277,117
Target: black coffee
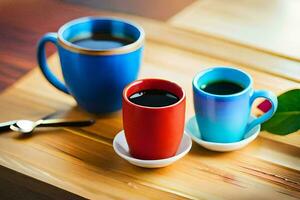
153,98
102,41
222,87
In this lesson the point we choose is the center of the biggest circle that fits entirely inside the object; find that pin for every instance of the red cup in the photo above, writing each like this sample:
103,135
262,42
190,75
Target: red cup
153,132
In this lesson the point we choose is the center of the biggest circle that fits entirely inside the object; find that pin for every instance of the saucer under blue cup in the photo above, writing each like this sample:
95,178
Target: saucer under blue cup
192,129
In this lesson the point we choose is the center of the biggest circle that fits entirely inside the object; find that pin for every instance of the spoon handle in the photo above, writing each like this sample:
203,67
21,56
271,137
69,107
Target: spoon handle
64,122
4,126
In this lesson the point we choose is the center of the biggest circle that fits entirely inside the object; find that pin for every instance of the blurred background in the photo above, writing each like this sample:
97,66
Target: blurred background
24,22
267,25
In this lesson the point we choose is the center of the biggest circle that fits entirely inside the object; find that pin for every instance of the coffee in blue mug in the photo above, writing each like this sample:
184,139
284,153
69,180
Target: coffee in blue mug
223,97
99,57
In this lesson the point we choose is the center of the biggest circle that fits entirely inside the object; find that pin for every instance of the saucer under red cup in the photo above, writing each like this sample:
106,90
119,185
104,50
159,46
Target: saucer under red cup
153,132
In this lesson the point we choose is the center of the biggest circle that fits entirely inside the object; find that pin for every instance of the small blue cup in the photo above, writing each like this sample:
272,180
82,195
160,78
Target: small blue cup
224,118
94,77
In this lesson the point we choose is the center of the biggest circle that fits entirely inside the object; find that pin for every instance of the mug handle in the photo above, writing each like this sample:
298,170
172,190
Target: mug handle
42,61
272,98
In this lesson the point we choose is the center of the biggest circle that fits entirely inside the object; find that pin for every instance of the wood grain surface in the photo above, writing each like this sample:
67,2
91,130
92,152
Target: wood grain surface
82,160
225,50
268,25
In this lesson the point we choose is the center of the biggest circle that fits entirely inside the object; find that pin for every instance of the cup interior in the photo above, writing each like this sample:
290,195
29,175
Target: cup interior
150,84
86,27
222,74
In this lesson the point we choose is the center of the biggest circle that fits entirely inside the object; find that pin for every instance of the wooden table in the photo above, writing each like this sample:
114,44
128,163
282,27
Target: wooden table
81,161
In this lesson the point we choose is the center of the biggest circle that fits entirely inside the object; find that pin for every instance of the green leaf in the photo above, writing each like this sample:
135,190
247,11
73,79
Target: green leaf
286,120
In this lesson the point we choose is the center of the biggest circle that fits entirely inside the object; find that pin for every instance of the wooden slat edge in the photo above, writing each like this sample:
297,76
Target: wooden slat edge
220,49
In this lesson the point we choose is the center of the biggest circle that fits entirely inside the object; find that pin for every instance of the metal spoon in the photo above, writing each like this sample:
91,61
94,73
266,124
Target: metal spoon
27,126
4,126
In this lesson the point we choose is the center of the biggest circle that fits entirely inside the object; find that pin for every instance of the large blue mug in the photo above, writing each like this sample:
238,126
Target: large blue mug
94,77
226,118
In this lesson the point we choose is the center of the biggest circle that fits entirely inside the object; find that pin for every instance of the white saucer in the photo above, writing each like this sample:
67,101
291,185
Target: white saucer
121,148
192,129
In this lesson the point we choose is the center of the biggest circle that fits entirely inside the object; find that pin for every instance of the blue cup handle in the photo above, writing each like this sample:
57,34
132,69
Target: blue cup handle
272,98
42,60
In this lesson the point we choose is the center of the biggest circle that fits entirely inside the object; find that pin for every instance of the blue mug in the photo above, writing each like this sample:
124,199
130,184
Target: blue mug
94,77
225,118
